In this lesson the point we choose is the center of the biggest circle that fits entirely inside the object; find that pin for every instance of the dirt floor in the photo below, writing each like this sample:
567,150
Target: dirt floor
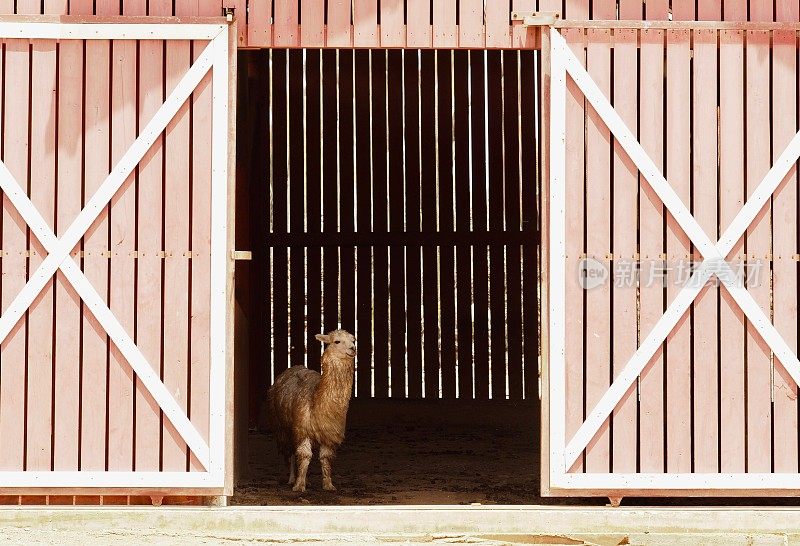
413,452
432,453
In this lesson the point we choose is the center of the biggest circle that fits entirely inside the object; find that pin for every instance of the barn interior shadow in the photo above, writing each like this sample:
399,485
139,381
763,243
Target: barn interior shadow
413,452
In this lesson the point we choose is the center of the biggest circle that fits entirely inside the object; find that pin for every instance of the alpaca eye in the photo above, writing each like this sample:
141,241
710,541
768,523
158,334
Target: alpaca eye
338,342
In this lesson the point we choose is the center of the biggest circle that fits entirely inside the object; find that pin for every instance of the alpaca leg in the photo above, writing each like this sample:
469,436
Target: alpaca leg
302,459
326,456
292,467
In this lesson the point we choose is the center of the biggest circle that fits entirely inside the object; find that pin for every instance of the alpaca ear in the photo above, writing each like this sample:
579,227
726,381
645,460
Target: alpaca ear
323,338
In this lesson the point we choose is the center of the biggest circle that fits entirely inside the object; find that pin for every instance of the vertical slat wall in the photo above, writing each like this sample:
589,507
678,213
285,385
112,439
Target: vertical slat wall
70,400
714,109
421,202
449,24
445,24
783,106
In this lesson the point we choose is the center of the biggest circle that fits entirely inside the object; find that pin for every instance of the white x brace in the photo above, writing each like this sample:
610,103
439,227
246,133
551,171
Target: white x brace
563,61
59,249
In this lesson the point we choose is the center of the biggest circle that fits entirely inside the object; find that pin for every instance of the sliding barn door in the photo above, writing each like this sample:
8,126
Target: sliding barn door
114,176
672,252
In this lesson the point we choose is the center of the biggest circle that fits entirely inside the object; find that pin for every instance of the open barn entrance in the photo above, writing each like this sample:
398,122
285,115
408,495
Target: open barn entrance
393,194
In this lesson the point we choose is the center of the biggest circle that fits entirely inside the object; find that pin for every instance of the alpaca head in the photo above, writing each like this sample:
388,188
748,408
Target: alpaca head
341,343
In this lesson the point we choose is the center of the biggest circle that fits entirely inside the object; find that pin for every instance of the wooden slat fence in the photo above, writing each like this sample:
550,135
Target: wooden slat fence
445,24
399,202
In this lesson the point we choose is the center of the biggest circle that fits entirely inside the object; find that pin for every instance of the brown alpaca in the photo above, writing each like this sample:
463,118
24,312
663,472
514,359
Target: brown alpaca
308,411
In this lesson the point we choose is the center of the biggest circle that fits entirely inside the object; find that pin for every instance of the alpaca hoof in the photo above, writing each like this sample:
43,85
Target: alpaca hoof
291,481
328,487
299,488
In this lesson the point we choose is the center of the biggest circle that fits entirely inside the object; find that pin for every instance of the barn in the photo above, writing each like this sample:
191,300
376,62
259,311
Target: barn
564,234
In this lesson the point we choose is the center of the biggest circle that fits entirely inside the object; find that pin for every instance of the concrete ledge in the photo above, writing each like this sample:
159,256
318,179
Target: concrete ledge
502,524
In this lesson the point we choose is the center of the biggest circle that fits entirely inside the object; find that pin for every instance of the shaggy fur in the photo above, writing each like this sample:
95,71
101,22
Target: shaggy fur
308,411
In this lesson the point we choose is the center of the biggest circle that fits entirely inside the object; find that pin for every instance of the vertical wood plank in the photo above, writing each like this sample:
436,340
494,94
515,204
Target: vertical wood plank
397,266
40,315
68,307
76,7
15,156
574,9
471,32
149,264
430,284
657,10
651,249
463,265
678,172
210,8
380,224
393,32
495,194
280,185
480,327
604,9
709,10
530,222
446,252
735,10
285,24
314,191
60,7
330,181
107,7
200,268
176,267
786,11
123,240
411,98
705,392
575,199
364,225
758,246
130,7
624,240
259,24
731,319
683,10
312,23
784,246
29,7
339,24
598,244
498,32
631,10
761,10
511,152
296,182
95,264
419,32
445,32
523,37
365,23
347,188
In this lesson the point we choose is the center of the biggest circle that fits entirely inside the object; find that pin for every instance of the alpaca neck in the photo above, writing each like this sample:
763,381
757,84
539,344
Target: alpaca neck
331,400
336,386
